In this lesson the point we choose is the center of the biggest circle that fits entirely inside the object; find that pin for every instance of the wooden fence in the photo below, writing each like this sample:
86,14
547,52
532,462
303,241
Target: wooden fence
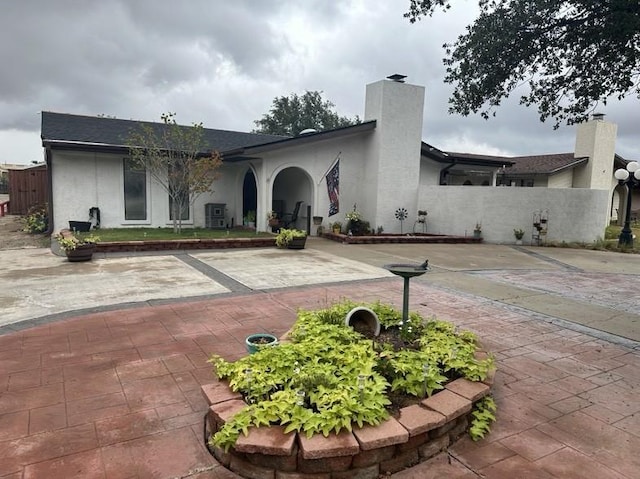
27,188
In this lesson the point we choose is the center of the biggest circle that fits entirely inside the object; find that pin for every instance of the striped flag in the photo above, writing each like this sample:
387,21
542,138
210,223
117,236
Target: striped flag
333,188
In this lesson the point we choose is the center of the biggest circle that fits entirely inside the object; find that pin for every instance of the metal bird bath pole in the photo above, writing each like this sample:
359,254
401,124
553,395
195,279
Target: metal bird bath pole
407,271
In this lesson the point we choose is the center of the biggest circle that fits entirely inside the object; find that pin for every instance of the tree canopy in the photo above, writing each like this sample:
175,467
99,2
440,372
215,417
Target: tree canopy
572,54
176,158
291,115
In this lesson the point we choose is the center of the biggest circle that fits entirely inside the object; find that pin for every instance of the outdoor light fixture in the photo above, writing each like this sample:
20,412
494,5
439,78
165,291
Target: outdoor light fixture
629,176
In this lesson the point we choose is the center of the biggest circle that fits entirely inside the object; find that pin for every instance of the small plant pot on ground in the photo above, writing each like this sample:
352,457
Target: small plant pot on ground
260,340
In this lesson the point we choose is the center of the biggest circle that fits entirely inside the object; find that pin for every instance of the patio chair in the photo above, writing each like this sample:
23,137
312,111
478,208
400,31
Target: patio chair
289,219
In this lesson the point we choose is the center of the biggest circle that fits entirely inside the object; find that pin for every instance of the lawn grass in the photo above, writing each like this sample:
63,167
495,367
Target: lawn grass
148,234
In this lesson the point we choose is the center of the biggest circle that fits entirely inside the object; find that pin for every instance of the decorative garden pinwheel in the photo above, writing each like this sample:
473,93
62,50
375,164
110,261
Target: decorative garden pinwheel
401,214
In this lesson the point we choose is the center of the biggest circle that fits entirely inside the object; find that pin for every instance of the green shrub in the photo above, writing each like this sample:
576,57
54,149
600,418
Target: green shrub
37,219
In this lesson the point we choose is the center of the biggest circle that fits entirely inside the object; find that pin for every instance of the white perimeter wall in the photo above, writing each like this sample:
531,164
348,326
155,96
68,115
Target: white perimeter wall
575,214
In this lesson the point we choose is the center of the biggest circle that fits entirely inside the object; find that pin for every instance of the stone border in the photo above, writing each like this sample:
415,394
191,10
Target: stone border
418,433
398,238
184,244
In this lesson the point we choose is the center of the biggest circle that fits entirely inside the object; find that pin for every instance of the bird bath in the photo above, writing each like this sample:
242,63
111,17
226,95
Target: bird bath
407,271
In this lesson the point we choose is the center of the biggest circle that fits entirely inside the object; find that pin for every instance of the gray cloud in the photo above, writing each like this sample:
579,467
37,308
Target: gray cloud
223,62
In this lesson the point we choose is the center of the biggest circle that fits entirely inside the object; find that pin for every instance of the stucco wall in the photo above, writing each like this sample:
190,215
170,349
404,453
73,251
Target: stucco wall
596,140
85,180
574,214
394,158
563,179
316,161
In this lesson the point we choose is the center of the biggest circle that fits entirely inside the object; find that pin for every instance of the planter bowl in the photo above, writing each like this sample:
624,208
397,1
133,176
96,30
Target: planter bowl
81,226
255,342
297,243
81,253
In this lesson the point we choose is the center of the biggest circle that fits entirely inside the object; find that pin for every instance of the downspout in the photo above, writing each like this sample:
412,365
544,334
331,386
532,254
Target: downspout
47,159
444,171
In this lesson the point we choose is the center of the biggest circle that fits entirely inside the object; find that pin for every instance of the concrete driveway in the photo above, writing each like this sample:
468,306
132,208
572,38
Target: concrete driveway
593,289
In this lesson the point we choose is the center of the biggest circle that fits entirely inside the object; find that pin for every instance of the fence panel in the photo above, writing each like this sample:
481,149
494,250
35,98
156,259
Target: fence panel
27,188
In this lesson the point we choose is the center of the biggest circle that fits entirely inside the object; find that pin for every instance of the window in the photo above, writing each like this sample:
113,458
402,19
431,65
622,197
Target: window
135,191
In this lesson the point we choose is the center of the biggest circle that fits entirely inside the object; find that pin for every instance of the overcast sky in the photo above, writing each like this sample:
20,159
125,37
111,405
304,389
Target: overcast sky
222,62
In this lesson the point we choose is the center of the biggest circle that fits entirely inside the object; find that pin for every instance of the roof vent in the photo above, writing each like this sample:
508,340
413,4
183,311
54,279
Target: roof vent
597,117
308,131
396,77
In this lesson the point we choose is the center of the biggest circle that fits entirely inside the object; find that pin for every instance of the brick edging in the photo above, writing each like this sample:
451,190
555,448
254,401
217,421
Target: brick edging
418,433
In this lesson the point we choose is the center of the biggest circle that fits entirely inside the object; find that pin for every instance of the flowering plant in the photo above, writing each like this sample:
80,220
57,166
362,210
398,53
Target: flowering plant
353,215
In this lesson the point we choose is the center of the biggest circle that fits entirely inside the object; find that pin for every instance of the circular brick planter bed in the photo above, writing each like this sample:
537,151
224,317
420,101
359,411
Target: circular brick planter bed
417,433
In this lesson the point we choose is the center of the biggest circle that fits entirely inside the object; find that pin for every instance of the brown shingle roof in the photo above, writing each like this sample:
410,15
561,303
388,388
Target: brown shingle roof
544,164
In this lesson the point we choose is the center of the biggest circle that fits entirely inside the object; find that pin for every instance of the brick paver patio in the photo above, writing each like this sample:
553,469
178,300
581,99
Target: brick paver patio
117,394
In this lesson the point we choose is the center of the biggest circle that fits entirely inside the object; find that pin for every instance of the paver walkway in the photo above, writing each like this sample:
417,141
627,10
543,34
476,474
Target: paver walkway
116,394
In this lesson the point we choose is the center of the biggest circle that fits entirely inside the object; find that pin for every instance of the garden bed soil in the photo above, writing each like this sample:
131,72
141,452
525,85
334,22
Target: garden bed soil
12,235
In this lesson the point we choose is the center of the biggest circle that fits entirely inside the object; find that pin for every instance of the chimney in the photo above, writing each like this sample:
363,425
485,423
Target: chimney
393,158
596,140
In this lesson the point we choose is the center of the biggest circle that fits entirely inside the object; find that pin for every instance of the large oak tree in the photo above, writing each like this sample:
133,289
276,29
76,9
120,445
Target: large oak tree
572,54
291,115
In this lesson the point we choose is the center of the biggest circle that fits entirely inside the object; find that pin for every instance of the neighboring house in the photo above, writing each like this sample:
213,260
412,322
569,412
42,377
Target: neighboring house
381,164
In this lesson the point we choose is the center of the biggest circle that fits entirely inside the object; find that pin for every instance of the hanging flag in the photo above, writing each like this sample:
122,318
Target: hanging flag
333,188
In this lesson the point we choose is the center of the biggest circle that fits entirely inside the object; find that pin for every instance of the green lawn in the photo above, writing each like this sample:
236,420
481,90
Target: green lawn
142,234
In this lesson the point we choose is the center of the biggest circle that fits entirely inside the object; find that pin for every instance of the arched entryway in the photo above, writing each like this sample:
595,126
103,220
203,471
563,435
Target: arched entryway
249,195
290,186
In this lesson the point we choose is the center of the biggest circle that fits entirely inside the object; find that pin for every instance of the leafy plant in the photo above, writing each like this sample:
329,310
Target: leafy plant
70,242
328,376
353,215
251,216
483,416
518,233
285,236
37,219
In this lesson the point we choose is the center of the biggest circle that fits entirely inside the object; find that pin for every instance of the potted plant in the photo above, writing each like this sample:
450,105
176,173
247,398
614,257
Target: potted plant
255,342
77,247
477,231
291,238
355,223
251,219
336,227
518,233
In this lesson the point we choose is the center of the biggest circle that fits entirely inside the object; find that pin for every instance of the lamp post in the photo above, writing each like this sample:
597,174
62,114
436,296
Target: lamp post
630,177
